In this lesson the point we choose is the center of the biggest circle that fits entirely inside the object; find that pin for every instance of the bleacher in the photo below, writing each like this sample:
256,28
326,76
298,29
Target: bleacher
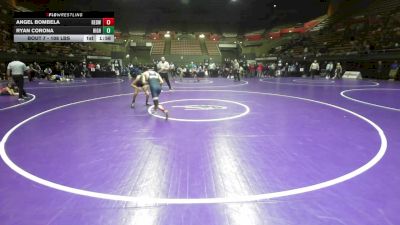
185,47
212,48
381,7
371,29
5,19
158,47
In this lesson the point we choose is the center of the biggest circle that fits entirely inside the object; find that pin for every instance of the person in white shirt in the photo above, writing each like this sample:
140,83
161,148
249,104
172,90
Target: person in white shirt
329,70
163,69
338,71
314,68
213,70
236,67
180,71
16,69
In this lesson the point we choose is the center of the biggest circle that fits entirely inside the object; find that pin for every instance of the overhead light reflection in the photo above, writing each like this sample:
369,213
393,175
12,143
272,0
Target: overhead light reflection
150,181
231,180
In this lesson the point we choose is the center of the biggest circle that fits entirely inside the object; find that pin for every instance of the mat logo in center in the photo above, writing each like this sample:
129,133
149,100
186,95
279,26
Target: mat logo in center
200,107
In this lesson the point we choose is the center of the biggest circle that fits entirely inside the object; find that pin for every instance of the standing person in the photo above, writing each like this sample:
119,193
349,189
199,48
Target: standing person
252,70
92,69
172,70
31,72
180,72
286,70
154,80
296,69
213,70
84,69
138,85
58,68
314,68
200,73
241,72
16,69
3,71
394,68
163,68
272,69
236,68
329,70
259,70
37,70
338,71
245,70
379,70
72,70
228,68
193,70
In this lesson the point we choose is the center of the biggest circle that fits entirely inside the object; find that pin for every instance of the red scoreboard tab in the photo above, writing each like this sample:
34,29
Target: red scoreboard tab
108,21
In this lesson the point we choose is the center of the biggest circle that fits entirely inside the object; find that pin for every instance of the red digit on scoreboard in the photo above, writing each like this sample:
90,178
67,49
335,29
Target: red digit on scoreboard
108,21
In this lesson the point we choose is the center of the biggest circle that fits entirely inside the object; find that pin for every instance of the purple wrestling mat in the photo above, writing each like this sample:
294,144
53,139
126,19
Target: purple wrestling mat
270,151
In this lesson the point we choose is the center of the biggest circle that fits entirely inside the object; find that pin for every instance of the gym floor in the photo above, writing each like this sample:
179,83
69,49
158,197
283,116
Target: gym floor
273,151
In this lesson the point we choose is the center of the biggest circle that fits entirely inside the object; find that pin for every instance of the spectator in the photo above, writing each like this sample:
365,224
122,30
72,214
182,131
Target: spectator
394,68
260,68
329,70
314,68
92,69
286,70
338,71
379,70
252,70
3,71
37,69
236,68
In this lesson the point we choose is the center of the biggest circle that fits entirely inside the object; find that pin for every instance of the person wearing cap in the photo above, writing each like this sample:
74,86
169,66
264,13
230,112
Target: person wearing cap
163,69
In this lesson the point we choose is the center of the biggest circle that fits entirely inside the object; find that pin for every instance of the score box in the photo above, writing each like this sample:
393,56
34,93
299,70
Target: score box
108,21
108,30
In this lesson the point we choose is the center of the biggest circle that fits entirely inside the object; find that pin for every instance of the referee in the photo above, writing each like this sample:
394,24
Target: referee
163,69
16,69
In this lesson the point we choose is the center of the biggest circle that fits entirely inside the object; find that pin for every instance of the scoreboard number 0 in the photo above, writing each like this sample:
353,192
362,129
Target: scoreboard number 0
108,21
108,30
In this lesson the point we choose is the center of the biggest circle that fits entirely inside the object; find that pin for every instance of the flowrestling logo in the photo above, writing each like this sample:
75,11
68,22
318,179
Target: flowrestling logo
201,107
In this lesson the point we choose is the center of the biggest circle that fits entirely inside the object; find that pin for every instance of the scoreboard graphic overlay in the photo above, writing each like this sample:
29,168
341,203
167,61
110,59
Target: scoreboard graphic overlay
64,26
